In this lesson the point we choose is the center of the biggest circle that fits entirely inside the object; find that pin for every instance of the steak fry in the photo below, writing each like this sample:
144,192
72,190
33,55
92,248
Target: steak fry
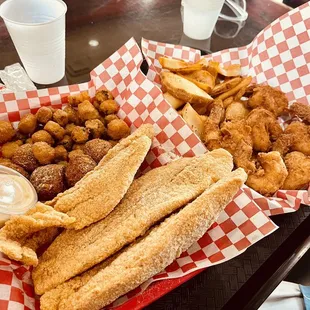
139,210
159,248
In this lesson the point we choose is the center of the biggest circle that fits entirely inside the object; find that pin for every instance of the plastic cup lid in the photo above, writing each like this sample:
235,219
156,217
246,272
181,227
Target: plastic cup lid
17,195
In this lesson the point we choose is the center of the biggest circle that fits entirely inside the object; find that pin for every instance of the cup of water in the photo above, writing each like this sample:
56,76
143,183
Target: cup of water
37,28
199,17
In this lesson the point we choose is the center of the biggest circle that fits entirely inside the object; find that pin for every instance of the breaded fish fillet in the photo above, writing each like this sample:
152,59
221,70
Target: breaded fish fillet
15,236
151,254
139,210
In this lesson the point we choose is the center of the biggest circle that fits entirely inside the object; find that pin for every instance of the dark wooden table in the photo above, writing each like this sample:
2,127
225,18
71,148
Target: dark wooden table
245,281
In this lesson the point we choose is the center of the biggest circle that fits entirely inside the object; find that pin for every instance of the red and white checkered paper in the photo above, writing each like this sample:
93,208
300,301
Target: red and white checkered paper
279,56
240,225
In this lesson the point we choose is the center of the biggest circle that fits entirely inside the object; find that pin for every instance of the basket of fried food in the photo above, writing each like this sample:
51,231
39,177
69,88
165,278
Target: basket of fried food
55,148
226,110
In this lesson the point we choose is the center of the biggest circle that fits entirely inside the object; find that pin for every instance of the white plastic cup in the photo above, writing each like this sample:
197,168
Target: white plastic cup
37,28
200,17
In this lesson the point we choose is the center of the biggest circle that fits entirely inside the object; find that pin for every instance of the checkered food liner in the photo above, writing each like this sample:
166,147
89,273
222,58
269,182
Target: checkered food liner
141,101
279,56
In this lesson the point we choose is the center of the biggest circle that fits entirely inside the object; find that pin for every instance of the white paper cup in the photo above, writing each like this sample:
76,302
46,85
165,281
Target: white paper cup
200,17
37,28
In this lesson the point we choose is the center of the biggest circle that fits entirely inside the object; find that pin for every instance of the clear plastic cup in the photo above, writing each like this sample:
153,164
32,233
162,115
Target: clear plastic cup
37,28
17,195
200,17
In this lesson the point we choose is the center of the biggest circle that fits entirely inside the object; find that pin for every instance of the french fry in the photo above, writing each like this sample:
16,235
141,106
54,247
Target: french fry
240,93
193,120
202,78
175,102
228,101
225,86
231,70
244,83
184,89
179,66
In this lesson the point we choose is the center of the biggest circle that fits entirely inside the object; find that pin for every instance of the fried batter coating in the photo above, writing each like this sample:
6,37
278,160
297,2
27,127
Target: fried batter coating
97,149
110,118
272,99
298,166
67,142
69,129
95,127
80,134
265,129
8,149
296,137
15,167
87,111
103,95
236,111
43,153
301,110
27,124
77,167
24,157
78,146
55,130
7,131
42,136
76,152
61,117
76,99
109,107
48,181
44,115
238,142
118,129
61,153
73,116
29,141
212,135
271,176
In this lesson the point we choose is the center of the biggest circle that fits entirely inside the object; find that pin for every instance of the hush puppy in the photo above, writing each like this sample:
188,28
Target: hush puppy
48,181
97,149
77,167
24,157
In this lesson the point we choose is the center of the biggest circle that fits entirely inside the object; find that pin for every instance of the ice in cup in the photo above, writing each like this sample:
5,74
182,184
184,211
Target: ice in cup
37,28
17,195
199,17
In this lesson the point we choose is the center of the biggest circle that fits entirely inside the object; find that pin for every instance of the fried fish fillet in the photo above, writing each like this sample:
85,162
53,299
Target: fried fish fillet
36,219
16,235
155,251
139,210
97,194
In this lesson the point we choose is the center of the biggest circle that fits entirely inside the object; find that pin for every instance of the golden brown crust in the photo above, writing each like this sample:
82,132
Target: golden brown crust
167,189
160,247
